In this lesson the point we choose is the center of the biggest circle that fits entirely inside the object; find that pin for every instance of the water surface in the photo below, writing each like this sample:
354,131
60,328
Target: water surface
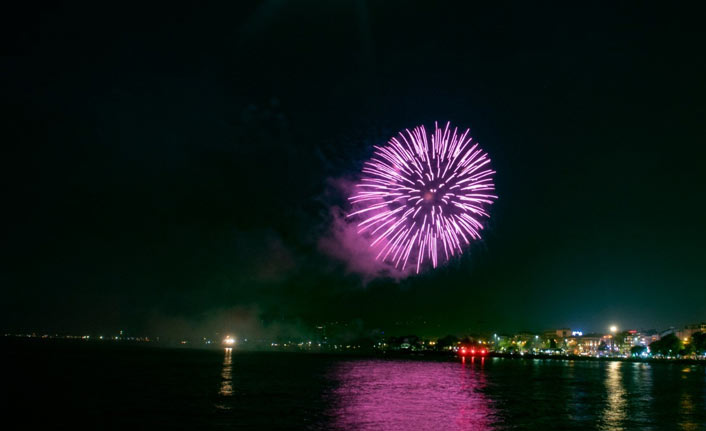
92,386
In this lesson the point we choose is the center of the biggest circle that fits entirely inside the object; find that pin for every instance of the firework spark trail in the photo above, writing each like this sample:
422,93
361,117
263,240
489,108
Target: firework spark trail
422,195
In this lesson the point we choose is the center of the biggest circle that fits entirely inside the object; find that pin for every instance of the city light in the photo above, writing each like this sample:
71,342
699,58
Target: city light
687,342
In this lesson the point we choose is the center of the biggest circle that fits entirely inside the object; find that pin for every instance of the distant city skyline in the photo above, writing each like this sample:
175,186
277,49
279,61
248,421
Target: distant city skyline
319,332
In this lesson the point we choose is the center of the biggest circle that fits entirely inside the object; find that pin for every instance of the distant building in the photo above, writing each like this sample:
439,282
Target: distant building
557,334
644,338
563,332
587,344
685,333
609,342
631,339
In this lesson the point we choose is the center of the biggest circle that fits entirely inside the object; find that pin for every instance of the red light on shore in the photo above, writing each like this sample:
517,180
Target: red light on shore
472,351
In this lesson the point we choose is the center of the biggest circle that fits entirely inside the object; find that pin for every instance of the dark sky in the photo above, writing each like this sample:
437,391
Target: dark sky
174,163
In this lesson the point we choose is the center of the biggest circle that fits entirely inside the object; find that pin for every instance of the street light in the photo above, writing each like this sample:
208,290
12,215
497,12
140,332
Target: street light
613,329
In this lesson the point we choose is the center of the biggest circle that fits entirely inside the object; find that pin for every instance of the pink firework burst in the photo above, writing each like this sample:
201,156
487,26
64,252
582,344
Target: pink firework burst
422,196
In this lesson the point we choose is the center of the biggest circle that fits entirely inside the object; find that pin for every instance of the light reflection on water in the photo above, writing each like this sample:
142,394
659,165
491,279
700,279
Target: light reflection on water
614,412
324,392
687,405
227,374
497,394
164,388
477,412
639,394
405,395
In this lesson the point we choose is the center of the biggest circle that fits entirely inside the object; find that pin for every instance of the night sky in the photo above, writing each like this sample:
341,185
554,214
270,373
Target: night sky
179,166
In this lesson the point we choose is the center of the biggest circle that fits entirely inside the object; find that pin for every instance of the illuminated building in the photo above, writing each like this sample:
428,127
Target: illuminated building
687,331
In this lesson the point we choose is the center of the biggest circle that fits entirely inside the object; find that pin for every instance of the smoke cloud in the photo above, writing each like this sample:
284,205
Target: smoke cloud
343,243
241,322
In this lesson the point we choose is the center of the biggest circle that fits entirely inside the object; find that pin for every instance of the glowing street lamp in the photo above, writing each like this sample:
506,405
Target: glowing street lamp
613,329
229,341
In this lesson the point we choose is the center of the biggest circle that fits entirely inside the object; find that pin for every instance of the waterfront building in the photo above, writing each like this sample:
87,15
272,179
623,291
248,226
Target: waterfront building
687,331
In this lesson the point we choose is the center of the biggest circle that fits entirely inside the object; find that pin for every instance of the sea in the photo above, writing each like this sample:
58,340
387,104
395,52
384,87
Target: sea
49,385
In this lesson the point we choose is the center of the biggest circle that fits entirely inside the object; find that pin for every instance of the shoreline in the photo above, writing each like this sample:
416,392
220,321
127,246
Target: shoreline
600,359
416,355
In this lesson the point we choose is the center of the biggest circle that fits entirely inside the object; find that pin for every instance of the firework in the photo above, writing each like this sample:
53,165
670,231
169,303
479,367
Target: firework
422,196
